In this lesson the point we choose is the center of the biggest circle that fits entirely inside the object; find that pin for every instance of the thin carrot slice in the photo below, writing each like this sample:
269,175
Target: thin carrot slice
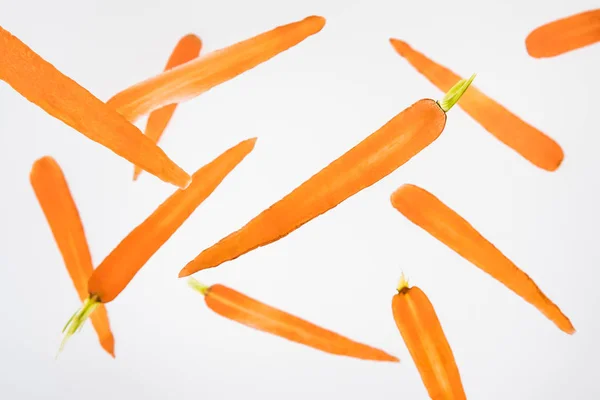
529,142
377,156
247,311
564,35
422,332
428,212
186,50
196,77
58,206
42,84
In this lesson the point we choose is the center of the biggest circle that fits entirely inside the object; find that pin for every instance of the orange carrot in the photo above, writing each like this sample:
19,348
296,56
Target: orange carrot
186,50
428,212
57,94
240,308
377,156
58,206
422,332
564,35
196,77
533,145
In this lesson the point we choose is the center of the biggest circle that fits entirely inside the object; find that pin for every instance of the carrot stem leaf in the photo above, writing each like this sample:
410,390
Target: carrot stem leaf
77,320
403,284
455,93
197,286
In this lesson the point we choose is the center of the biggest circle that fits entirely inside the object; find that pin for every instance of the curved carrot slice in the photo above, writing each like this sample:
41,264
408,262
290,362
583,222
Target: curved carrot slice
377,156
54,196
240,308
196,77
564,35
529,142
61,97
428,212
422,332
186,50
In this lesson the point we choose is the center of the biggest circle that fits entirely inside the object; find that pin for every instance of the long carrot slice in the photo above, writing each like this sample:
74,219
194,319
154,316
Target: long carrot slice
54,196
564,35
186,50
61,97
529,142
428,212
196,77
240,308
422,332
377,156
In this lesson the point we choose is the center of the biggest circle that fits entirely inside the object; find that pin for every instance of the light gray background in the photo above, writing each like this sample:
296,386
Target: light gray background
307,106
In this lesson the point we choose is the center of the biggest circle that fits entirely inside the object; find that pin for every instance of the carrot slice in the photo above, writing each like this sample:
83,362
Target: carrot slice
247,311
196,77
422,332
186,50
42,84
58,206
529,142
564,35
377,156
428,212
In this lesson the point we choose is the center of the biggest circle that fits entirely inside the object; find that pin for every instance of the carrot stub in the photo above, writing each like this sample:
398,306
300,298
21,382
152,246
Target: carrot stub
428,212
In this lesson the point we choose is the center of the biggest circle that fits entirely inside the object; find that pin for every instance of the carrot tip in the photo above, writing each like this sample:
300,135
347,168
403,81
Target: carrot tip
403,284
197,286
455,93
75,323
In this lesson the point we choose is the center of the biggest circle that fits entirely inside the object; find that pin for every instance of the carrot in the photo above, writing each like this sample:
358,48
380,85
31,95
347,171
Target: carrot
198,76
124,262
53,194
564,35
186,50
422,332
42,84
238,307
428,212
533,145
377,156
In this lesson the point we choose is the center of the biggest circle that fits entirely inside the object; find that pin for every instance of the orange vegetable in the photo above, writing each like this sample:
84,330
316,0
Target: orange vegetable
428,212
54,196
238,307
380,154
186,49
196,77
564,35
42,84
533,145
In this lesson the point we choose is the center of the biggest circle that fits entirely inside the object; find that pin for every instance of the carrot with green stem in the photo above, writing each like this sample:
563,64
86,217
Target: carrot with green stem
377,156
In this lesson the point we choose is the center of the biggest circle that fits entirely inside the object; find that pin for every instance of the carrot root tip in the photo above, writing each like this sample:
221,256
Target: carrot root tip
197,286
455,93
77,320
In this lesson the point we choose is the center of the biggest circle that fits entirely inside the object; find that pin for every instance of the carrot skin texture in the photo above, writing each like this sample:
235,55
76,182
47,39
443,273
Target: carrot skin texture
198,76
61,97
377,156
564,35
426,211
58,206
529,142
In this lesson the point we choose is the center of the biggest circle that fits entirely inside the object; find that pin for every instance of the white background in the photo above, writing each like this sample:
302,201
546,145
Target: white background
307,106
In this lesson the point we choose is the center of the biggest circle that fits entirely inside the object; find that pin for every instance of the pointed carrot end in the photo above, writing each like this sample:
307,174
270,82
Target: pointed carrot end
108,344
184,272
400,46
455,93
197,286
191,39
136,173
317,22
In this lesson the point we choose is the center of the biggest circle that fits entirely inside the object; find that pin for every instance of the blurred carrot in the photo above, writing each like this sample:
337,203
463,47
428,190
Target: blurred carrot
377,156
196,77
57,94
186,49
58,206
428,212
529,142
240,308
564,35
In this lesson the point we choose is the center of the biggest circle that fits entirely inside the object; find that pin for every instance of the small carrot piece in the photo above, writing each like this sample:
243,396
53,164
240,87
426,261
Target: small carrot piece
240,308
564,35
42,84
377,156
422,332
58,206
186,50
426,211
529,142
198,76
